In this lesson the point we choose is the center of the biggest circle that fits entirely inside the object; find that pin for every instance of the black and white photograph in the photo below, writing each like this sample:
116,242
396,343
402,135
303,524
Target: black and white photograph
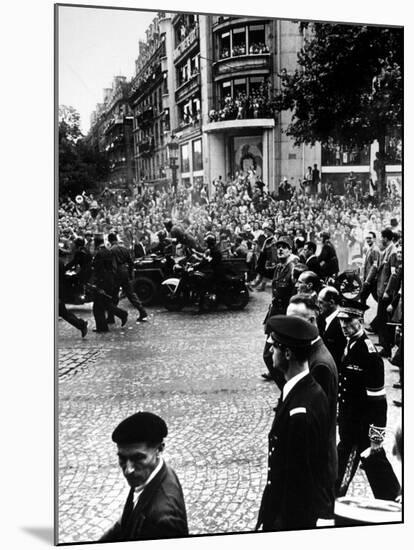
230,263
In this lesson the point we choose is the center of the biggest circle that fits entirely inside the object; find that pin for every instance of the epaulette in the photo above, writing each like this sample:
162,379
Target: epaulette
297,410
370,346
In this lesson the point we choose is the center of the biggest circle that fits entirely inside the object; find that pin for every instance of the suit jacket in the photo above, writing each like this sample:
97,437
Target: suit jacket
297,460
371,263
159,513
334,339
328,260
387,267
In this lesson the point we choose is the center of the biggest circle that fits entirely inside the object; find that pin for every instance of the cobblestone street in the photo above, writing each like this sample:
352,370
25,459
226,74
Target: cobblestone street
201,373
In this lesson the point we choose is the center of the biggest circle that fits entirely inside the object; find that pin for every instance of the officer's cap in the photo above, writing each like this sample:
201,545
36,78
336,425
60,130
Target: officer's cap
351,309
285,240
291,331
140,427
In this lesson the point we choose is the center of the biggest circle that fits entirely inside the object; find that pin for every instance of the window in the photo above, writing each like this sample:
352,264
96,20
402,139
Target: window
240,86
257,39
185,158
239,42
225,90
255,82
197,155
224,45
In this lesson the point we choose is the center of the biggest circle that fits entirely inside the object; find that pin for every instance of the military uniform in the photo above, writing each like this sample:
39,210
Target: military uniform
362,401
298,458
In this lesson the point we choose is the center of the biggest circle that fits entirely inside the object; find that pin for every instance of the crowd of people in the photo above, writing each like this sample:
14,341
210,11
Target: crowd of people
317,349
253,105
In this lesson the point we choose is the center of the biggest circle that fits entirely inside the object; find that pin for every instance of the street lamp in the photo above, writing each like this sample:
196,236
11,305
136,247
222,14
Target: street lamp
173,156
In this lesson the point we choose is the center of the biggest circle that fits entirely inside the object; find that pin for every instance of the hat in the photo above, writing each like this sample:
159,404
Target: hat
140,427
351,309
292,331
284,239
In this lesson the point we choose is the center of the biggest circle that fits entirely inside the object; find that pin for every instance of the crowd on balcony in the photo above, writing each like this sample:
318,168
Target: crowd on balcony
254,49
255,105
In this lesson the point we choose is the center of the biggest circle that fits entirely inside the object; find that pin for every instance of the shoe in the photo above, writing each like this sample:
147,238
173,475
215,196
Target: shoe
397,403
110,321
124,319
397,386
266,376
142,318
84,329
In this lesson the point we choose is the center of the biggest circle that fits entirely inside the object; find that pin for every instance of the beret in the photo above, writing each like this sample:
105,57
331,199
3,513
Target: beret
140,427
351,308
291,331
284,239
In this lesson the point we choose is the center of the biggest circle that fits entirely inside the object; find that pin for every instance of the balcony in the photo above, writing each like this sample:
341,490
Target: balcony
146,147
145,117
241,64
186,44
188,88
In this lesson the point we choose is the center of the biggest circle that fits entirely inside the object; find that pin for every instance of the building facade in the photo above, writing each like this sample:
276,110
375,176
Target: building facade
209,81
111,132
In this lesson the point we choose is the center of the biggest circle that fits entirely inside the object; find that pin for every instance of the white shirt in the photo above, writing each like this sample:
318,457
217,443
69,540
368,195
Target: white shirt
330,318
138,490
292,382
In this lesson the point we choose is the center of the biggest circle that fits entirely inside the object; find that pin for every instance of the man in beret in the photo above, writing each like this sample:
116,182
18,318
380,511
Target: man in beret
298,440
155,506
362,399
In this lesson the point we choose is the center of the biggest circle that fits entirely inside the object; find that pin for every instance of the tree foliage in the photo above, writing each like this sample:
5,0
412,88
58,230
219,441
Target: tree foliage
81,166
348,88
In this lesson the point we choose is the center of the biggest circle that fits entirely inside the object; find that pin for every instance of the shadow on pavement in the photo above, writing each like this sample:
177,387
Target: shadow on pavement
42,533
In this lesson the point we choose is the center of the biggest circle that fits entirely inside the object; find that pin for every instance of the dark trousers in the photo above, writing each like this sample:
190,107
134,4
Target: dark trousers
366,291
122,281
353,440
103,306
70,317
385,334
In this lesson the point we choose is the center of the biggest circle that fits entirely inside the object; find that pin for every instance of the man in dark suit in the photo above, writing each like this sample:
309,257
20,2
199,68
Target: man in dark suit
311,260
299,437
328,260
155,506
329,324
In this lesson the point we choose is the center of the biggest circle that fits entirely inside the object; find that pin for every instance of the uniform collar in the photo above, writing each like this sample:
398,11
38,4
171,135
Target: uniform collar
287,388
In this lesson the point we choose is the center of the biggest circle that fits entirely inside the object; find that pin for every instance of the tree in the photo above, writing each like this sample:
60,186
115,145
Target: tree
348,88
80,165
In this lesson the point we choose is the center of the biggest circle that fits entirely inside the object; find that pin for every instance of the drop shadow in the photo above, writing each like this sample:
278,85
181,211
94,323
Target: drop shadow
43,533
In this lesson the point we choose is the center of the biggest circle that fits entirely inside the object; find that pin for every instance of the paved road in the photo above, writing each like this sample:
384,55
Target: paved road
200,373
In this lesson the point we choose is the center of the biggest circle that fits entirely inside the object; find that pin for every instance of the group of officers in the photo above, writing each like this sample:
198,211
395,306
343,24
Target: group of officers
330,375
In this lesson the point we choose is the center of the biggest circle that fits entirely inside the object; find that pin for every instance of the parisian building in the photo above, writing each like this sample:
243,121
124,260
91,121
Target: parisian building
111,132
207,80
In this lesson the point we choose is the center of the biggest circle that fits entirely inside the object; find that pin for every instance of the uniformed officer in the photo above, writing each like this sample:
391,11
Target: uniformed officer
283,287
362,399
299,437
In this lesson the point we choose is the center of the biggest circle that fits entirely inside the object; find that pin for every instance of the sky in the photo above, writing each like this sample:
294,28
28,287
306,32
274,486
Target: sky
94,45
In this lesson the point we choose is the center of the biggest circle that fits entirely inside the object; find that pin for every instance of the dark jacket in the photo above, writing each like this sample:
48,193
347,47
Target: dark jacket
298,460
387,270
328,260
123,259
362,399
312,264
159,514
283,287
324,370
104,269
334,339
82,259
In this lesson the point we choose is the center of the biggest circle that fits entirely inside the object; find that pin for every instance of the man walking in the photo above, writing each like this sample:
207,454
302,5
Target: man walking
298,439
329,324
370,269
155,506
362,399
124,269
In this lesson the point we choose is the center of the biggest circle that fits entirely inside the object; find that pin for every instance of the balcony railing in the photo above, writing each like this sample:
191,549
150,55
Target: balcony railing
243,107
186,43
188,88
146,147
